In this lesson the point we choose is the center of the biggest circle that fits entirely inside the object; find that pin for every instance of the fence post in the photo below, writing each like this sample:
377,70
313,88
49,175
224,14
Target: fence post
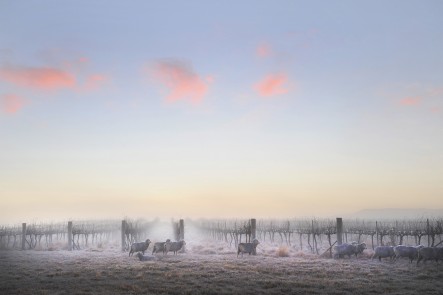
253,228
428,231
70,235
339,230
23,236
182,230
376,231
123,235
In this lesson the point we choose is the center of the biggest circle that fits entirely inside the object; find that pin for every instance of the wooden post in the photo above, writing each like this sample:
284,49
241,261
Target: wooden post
253,228
182,230
70,235
314,246
428,230
123,235
376,231
23,236
339,230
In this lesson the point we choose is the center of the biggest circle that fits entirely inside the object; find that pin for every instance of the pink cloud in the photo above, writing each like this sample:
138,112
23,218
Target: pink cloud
272,85
11,103
263,50
83,59
38,78
181,81
410,101
95,81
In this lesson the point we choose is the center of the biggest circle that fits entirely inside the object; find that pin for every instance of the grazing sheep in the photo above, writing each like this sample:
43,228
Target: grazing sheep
175,246
349,249
383,252
406,251
161,247
139,247
430,253
248,248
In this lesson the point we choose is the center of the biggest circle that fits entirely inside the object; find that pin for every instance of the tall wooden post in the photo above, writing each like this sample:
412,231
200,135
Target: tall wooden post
23,236
428,230
339,230
253,228
70,235
376,231
182,230
123,235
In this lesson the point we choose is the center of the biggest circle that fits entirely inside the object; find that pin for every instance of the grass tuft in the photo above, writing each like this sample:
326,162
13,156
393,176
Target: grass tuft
283,251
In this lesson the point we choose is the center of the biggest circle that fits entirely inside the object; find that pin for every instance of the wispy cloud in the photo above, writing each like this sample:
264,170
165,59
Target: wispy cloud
44,78
95,81
271,85
11,103
181,81
410,100
263,50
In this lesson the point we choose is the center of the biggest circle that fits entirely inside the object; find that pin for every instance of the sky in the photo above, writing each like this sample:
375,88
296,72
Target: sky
224,109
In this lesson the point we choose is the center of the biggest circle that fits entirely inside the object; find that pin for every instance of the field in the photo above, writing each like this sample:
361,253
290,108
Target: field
208,267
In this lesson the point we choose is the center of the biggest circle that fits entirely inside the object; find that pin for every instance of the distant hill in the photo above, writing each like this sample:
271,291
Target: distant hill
396,213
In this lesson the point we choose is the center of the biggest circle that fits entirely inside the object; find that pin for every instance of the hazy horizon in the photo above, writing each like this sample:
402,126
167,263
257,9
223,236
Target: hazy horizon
231,109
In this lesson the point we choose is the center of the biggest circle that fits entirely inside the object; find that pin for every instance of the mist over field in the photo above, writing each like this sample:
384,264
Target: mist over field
221,147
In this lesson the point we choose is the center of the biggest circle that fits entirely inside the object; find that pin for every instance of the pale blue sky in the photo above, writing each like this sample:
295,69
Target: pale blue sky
354,120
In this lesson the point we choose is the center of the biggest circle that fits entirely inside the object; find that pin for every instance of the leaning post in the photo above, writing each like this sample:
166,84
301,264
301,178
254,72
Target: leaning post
70,235
23,236
339,230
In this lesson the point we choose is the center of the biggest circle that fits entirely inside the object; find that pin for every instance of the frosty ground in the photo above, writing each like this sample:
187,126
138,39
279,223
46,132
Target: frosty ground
210,269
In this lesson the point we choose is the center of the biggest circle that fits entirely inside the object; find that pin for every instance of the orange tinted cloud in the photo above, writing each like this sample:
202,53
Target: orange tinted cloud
11,103
410,101
38,78
181,81
263,50
272,85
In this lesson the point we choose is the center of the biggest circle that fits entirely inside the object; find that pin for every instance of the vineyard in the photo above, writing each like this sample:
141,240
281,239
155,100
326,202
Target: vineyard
312,235
74,235
316,234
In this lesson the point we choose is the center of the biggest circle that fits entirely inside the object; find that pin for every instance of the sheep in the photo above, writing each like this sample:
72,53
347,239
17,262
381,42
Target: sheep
161,247
145,258
359,248
428,253
175,246
349,249
406,251
248,248
344,249
383,252
139,247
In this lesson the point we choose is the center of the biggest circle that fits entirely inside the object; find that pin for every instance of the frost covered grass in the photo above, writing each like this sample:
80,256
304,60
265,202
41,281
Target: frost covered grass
209,268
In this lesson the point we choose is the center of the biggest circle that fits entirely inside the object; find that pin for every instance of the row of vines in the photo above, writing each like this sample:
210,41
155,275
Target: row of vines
84,234
315,234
